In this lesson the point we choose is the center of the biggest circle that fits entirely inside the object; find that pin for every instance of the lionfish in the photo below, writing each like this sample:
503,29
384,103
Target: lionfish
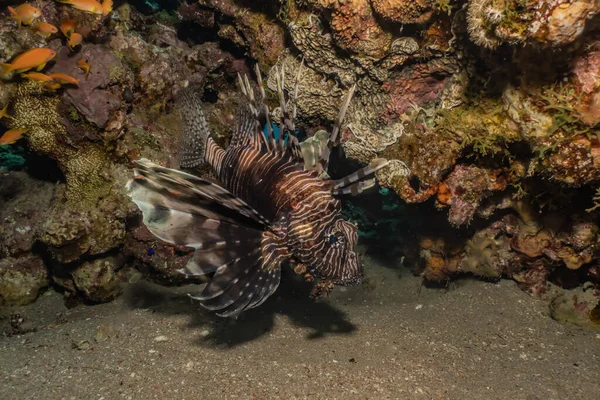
270,208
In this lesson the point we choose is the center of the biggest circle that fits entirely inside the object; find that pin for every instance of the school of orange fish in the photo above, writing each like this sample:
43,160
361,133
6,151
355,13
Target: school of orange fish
27,15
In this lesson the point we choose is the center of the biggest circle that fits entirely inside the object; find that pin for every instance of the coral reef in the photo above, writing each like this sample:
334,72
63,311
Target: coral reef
70,235
26,204
260,34
91,132
488,110
36,110
355,28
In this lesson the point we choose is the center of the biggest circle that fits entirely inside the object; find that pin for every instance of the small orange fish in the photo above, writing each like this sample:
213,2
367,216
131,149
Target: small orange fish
4,113
85,66
91,6
52,85
24,14
64,79
36,76
68,27
28,60
12,136
45,29
107,6
74,40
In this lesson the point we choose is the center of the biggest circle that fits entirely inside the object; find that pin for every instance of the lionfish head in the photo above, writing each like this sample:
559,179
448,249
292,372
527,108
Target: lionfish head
337,260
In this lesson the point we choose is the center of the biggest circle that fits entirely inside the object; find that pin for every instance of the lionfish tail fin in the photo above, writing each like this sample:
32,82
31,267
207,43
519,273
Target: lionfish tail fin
195,130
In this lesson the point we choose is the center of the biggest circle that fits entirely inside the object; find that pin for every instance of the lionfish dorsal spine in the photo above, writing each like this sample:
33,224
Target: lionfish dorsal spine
195,131
323,163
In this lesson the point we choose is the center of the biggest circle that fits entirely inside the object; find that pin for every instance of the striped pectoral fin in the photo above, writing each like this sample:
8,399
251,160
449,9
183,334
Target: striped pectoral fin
178,181
247,281
356,188
365,172
245,294
228,279
233,289
211,256
180,219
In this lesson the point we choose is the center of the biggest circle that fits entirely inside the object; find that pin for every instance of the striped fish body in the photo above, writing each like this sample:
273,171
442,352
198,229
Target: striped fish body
273,185
268,208
299,204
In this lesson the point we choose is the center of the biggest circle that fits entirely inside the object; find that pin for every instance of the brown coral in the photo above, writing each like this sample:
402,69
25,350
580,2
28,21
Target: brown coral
465,188
404,11
417,85
97,280
94,99
71,234
575,162
428,164
264,37
356,29
26,205
586,71
484,255
21,280
319,51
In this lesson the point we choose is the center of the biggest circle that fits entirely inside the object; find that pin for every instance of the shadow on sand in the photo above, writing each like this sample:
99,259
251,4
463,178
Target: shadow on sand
291,300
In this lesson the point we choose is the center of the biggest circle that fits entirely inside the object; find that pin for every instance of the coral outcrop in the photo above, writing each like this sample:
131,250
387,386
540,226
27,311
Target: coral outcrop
552,23
21,280
118,112
488,110
405,11
36,110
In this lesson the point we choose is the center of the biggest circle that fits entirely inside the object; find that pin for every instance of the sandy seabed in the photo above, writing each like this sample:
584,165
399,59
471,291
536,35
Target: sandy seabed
388,339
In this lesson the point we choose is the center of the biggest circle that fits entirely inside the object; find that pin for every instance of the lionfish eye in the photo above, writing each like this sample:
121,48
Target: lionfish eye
333,239
336,238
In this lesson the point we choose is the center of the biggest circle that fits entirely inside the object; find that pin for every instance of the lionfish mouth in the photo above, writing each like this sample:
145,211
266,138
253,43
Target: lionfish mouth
352,275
